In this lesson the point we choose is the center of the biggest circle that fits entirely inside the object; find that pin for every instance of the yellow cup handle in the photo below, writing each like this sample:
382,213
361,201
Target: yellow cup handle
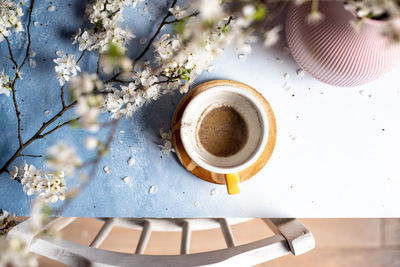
232,183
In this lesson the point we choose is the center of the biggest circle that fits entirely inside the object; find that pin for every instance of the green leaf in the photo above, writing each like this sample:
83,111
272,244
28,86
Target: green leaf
115,51
261,11
99,24
179,26
75,124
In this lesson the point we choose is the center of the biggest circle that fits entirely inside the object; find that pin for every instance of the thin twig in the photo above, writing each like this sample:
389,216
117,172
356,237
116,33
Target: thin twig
155,35
29,35
17,112
17,73
98,64
181,19
28,155
11,53
62,96
59,126
81,56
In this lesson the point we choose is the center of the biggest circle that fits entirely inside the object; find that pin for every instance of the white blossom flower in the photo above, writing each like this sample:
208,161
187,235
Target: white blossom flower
271,37
91,142
210,9
66,67
15,252
87,90
166,138
105,15
85,40
5,83
166,147
47,186
62,158
32,61
10,13
177,12
314,17
249,10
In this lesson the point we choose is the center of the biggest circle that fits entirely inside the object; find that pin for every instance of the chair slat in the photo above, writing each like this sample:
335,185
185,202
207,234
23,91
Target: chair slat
226,231
186,235
103,233
144,238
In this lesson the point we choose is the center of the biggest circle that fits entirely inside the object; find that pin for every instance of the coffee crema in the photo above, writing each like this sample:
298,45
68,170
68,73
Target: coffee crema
222,132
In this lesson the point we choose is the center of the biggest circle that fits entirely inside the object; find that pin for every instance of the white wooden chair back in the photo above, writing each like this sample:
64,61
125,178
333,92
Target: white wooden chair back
291,237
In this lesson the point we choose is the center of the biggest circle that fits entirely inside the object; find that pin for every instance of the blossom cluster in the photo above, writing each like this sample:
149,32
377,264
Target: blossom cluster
10,13
176,64
373,8
66,67
48,186
5,83
127,99
15,252
62,158
105,15
87,90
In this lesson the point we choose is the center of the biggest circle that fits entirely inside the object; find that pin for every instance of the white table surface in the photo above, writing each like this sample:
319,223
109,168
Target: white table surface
345,158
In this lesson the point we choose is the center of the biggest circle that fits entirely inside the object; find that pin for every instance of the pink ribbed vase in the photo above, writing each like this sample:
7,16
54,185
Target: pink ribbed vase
333,52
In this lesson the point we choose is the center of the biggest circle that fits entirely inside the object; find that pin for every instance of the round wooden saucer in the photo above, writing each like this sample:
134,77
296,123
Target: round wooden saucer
203,173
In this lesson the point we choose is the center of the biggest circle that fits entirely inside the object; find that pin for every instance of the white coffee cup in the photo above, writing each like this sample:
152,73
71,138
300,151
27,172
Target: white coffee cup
252,113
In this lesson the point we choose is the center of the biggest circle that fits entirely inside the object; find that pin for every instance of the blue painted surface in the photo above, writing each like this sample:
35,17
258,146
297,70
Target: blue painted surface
107,194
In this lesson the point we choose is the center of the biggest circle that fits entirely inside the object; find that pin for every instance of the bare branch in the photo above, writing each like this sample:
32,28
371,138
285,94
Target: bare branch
11,53
81,56
62,96
59,126
29,34
36,136
155,35
98,64
28,155
17,112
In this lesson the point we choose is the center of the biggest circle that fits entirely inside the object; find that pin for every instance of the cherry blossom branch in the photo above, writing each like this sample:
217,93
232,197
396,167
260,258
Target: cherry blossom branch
81,56
181,19
38,135
155,35
98,64
62,87
146,49
17,73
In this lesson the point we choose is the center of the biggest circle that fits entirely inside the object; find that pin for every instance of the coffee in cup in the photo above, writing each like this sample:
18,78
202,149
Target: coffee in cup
224,130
